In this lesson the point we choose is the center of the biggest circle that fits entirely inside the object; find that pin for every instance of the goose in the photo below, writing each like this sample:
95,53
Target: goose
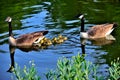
25,39
97,31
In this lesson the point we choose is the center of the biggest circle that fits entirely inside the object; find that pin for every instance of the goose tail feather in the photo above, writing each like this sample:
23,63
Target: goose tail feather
115,25
45,32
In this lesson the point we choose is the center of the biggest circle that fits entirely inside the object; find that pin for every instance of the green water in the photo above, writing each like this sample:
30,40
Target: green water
59,17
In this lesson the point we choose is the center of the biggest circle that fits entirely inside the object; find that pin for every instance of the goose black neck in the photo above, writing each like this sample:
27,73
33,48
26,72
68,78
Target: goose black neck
10,29
82,25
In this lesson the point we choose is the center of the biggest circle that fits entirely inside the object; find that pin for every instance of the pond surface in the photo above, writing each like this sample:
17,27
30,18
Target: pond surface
59,18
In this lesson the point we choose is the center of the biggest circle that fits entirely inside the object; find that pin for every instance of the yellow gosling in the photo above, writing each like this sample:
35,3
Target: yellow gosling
64,38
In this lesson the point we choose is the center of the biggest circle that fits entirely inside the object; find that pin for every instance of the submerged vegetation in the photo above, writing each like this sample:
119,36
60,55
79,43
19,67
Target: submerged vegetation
76,68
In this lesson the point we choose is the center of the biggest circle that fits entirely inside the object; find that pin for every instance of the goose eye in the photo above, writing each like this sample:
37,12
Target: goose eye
36,40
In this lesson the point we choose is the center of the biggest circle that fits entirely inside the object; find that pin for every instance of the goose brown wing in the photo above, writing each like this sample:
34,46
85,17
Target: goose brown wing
100,30
28,39
94,30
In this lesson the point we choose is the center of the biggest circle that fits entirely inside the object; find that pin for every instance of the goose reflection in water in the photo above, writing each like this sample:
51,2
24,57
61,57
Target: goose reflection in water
103,41
12,52
98,42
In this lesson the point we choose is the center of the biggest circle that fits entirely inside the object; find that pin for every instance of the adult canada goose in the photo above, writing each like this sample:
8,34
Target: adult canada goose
25,39
97,31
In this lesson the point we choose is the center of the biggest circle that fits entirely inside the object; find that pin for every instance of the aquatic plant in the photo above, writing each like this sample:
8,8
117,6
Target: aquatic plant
115,70
76,68
28,73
